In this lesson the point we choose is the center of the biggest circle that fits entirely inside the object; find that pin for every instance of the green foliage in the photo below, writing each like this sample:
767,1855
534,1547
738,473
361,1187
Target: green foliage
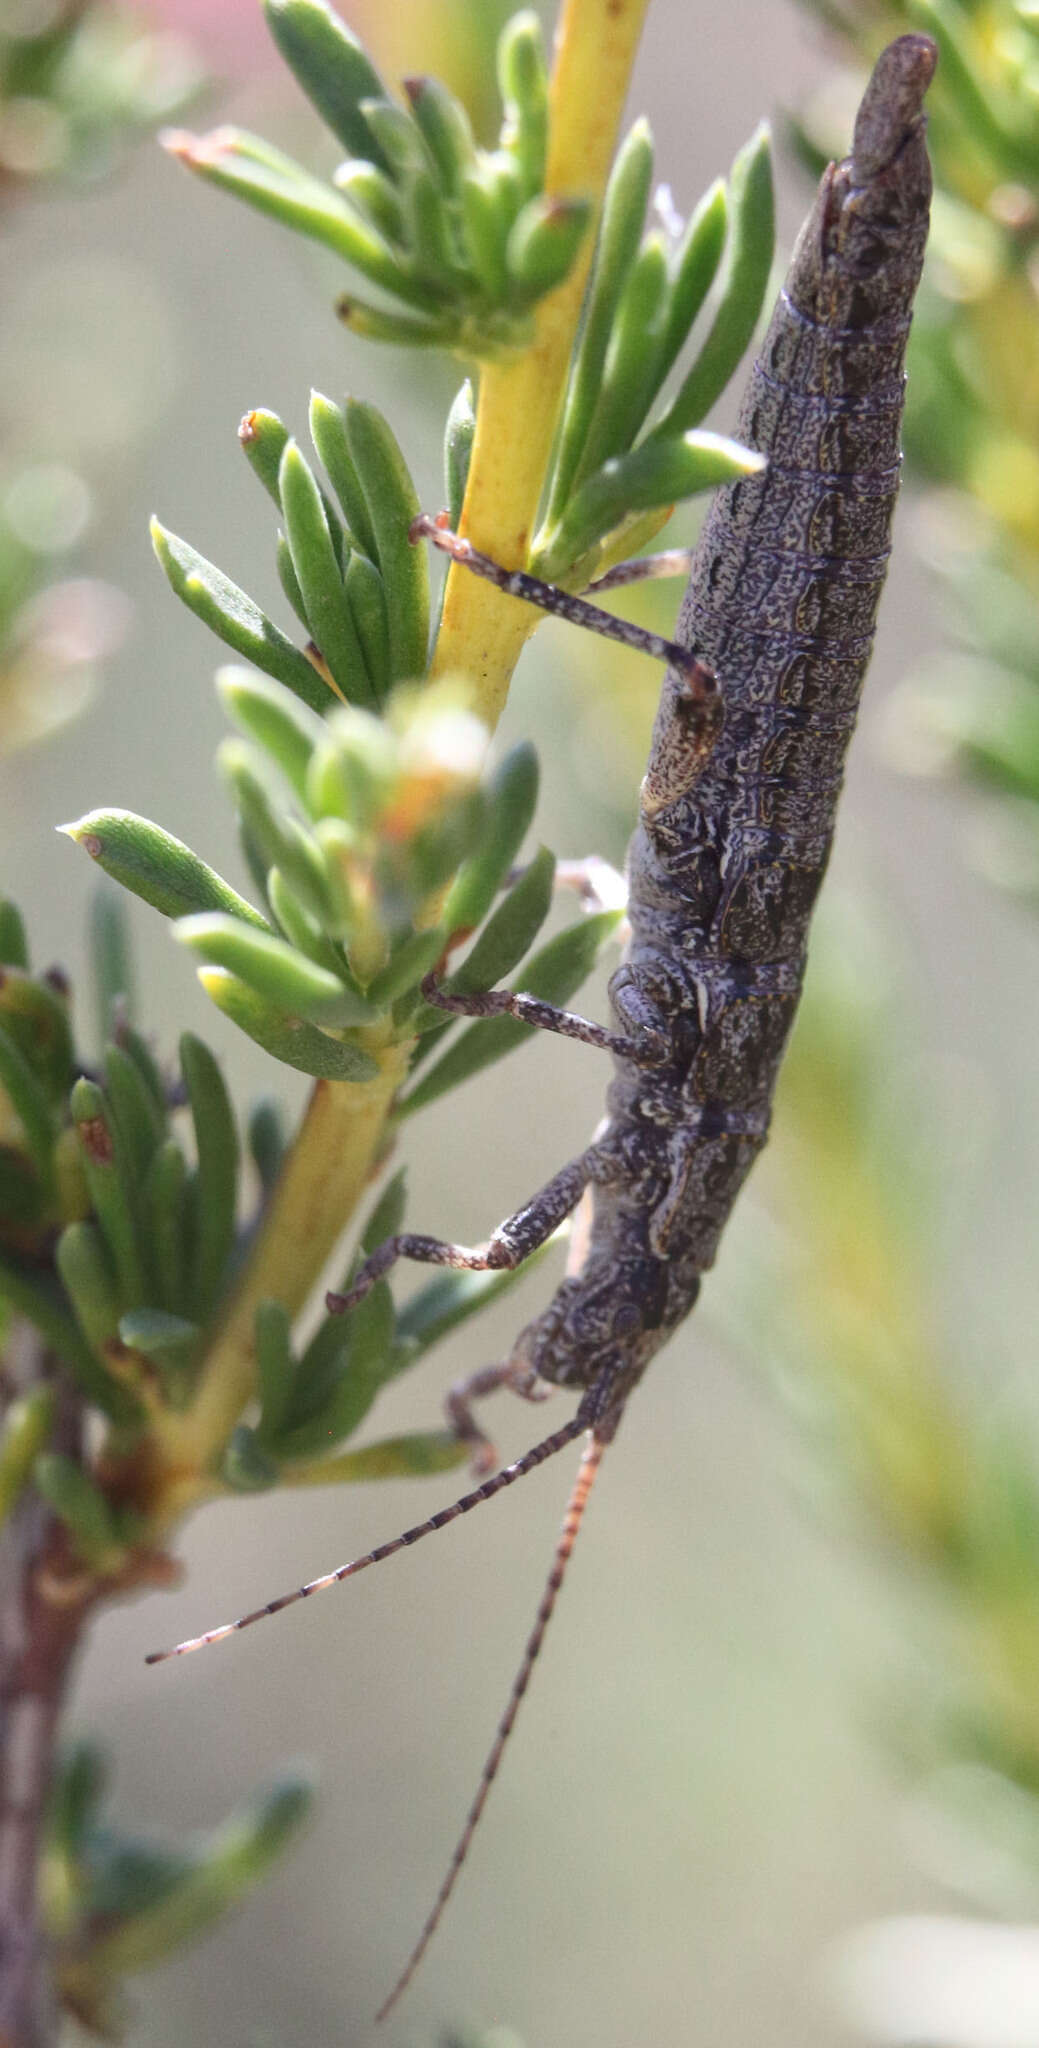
644,295
116,1904
464,240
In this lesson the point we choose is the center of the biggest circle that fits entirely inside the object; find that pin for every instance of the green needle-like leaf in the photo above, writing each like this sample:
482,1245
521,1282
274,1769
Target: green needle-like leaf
31,1105
408,962
624,210
168,1340
331,66
35,1297
748,262
141,1123
273,969
387,1215
168,1247
523,79
366,601
298,926
511,929
392,505
264,440
110,1180
399,138
693,270
276,186
272,715
267,1141
554,973
245,1464
188,1893
14,946
375,323
279,838
36,1016
216,1143
511,798
285,1036
414,1456
445,128
289,581
448,1301
80,1504
374,195
275,1368
88,1277
654,475
320,579
27,1426
328,433
235,619
631,373
485,224
434,255
154,865
543,245
459,435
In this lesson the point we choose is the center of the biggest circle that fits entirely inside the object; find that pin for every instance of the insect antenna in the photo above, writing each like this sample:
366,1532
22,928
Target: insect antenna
497,1483
576,1505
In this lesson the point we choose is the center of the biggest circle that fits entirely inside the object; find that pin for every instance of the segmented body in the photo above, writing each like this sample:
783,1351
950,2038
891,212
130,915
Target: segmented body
736,824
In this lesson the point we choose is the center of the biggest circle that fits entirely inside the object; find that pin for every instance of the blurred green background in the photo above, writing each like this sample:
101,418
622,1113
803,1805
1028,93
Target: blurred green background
704,1793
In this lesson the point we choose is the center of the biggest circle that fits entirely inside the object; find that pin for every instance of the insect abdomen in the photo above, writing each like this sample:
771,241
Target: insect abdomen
734,839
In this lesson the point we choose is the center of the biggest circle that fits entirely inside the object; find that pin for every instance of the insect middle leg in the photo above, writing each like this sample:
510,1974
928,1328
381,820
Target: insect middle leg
506,1248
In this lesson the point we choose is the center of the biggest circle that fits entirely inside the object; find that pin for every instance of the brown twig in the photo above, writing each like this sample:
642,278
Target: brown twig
44,1598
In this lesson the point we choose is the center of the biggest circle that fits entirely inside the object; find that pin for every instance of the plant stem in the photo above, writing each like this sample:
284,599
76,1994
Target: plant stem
321,1182
482,632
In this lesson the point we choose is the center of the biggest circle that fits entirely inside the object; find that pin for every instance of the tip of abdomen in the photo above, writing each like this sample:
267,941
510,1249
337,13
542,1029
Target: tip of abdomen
891,104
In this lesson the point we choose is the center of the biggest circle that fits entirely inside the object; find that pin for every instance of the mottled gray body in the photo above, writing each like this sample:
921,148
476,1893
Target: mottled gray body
737,821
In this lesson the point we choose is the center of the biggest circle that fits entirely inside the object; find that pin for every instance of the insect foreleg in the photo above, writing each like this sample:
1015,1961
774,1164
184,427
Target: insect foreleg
507,1247
644,1052
697,680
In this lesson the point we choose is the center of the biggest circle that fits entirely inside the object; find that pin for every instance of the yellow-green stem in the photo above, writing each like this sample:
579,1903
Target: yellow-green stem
323,1178
482,632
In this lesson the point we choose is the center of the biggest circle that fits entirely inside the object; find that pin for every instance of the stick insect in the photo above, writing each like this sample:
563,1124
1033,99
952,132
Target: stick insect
736,820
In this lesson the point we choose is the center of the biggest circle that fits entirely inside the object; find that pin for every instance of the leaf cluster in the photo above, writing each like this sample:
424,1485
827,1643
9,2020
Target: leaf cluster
460,242
117,1904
